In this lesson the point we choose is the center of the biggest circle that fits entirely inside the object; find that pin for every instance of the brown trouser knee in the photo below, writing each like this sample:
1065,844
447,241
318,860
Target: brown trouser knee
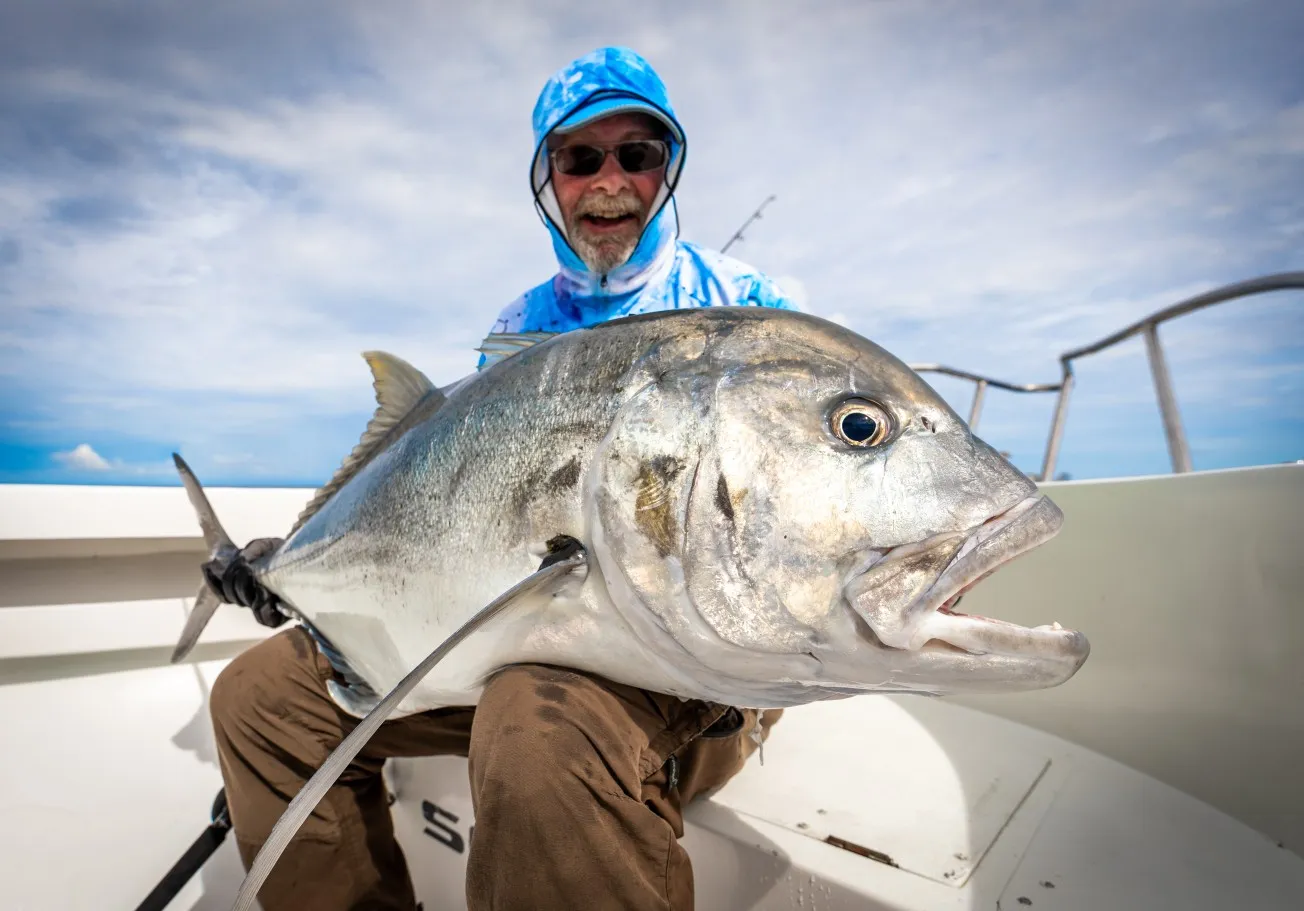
577,800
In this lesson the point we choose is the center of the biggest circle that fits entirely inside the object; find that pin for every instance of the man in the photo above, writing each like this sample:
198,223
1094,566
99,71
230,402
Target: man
608,156
578,783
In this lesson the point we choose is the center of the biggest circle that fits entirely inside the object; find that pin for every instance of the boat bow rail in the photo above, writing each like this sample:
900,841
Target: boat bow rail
1178,449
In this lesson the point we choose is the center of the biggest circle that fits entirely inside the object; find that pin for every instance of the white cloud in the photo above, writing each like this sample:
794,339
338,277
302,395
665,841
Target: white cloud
82,458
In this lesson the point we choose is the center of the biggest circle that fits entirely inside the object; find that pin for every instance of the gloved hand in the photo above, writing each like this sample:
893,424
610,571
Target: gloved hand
234,582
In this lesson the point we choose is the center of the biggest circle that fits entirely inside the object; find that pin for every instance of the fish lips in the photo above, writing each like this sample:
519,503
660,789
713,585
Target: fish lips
931,575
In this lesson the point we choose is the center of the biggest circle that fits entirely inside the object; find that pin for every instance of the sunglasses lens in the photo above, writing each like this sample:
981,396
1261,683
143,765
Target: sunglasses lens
577,160
585,161
643,155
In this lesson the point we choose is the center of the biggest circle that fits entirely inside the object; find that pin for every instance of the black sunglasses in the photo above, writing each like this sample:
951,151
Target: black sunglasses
634,157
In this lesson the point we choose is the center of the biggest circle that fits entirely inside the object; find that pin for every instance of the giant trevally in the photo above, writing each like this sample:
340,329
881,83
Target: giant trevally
774,511
749,506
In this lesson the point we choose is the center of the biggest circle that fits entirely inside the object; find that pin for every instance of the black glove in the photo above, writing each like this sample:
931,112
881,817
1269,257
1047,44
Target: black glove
234,582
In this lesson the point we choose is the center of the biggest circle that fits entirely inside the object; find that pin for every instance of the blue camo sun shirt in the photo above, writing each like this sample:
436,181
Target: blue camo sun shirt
664,272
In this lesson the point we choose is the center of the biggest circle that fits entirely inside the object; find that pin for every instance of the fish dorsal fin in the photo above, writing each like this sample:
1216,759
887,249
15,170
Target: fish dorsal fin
501,345
400,387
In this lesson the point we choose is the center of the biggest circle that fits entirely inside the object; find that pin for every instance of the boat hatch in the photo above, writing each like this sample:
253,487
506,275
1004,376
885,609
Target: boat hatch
928,800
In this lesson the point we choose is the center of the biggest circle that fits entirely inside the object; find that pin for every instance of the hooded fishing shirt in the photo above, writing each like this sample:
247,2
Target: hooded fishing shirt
663,272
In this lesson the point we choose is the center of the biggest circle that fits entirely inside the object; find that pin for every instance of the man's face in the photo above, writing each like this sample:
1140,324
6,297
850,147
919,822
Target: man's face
604,213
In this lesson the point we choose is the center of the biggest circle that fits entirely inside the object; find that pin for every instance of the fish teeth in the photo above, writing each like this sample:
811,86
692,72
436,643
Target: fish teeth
1053,627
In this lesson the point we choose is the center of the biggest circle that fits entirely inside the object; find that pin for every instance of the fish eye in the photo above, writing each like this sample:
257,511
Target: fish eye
860,423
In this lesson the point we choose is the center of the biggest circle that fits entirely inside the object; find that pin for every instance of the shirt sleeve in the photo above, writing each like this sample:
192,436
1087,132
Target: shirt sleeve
765,292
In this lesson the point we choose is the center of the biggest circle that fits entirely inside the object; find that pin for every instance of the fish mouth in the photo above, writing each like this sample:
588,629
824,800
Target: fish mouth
932,575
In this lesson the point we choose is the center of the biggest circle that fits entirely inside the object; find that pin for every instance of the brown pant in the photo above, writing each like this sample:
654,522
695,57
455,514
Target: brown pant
578,803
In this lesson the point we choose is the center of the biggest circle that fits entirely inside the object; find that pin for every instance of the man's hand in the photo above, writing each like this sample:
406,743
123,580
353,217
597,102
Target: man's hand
234,582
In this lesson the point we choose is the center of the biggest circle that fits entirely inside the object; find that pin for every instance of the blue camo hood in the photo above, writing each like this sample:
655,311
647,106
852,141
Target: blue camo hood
606,74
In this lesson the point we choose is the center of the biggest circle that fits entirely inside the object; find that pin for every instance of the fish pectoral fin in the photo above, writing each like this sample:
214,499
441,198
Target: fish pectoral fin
400,390
501,345
566,563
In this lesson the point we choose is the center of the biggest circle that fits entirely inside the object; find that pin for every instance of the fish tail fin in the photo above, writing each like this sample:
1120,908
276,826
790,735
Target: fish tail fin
219,544
215,536
206,604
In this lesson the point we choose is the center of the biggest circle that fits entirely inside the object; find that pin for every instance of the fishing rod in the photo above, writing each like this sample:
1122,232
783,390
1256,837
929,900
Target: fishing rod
755,216
189,863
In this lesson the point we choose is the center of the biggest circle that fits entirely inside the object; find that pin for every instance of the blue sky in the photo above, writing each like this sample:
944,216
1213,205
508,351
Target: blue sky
205,216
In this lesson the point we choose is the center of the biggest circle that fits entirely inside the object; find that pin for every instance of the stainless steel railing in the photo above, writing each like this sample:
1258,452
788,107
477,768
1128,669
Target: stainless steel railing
981,383
1178,449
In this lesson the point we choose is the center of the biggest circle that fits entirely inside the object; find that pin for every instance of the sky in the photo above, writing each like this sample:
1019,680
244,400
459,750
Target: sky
207,214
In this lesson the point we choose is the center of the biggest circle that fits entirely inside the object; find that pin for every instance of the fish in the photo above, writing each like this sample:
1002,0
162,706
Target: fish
769,510
749,506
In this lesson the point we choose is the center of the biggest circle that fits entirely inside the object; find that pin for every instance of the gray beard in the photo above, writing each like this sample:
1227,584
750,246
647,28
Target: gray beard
605,255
